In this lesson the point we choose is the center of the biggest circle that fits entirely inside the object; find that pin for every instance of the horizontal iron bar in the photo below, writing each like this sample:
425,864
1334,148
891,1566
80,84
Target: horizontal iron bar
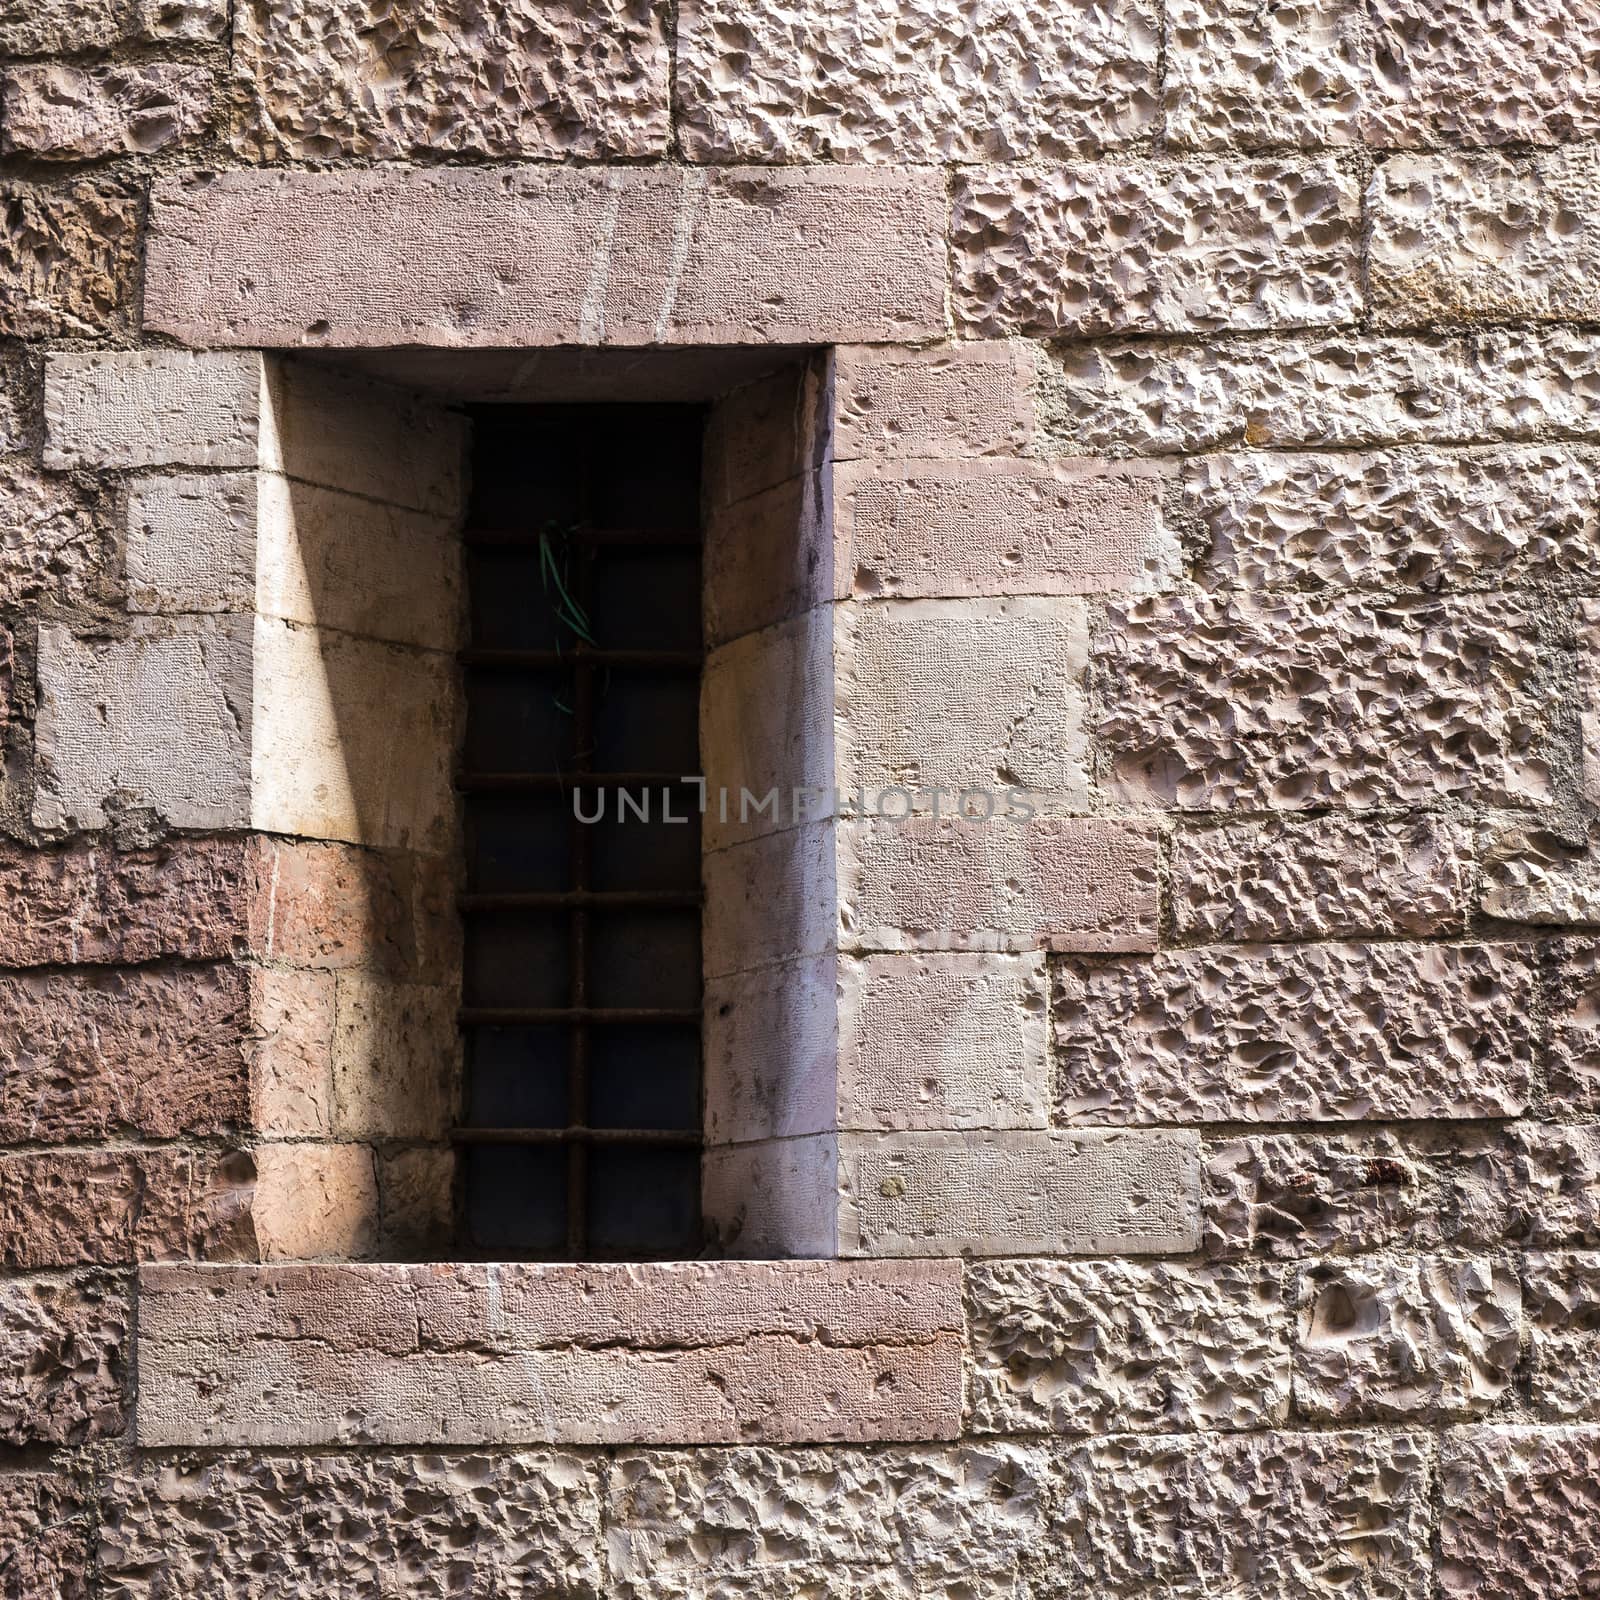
585,656
618,1016
522,539
571,899
682,1138
560,782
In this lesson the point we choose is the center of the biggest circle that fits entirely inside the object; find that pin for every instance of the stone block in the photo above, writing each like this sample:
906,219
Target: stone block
291,1055
579,256
1054,883
766,432
506,1354
1291,702
46,1530
185,21
63,1363
1483,238
56,112
773,1198
345,79
770,557
1019,1193
68,258
1420,1337
191,542
1321,878
1530,1184
47,27
417,1201
1107,1347
494,1523
153,1051
905,529
1404,519
891,82
1106,249
1561,1293
396,1058
769,899
948,402
1518,1513
52,544
1573,998
314,1201
1221,1035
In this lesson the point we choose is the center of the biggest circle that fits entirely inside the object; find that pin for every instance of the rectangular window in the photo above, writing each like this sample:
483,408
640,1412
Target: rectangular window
581,1128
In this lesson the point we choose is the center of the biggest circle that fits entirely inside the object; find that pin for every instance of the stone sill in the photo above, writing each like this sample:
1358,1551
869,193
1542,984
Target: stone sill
681,1353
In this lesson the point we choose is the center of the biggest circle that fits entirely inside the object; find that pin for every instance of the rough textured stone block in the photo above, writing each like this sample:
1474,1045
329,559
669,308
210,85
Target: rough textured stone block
42,27
396,1058
1282,1195
1422,1337
291,1059
67,259
1538,878
1101,1347
187,21
1069,883
1239,1036
948,402
1412,519
1345,391
315,1202
1275,1516
348,78
508,1523
1103,249
1573,1059
906,529
1480,237
1290,702
1518,1513
153,1051
54,112
1321,877
46,1532
51,541
1532,1184
577,256
1562,1297
1020,1193
888,81
717,1352
63,1364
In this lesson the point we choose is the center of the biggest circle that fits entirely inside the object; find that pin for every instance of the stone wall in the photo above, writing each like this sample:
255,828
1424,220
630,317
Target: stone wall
1236,370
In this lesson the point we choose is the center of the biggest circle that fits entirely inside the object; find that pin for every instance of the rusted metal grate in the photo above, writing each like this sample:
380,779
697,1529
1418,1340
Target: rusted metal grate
581,1131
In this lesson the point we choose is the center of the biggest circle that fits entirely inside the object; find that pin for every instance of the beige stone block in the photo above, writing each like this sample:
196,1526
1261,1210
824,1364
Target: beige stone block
69,259
770,557
315,1202
773,1198
769,899
291,1060
56,112
191,542
547,255
396,1058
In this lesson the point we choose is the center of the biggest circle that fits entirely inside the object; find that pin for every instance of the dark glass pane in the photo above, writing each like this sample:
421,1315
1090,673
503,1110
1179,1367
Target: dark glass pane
645,958
516,1198
643,1201
646,722
511,610
644,1078
516,843
519,721
518,958
661,853
517,1077
646,599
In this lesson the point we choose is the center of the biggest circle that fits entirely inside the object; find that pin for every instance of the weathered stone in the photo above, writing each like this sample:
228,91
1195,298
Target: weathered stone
1413,519
154,1051
441,1526
315,1202
1100,1347
1160,397
1573,1059
63,1365
46,27
1288,702
769,558
888,81
715,1353
1321,878
396,1058
1483,238
67,259
1531,1184
1105,249
1248,1035
1537,878
901,1524
291,1058
1421,1337
190,21
773,1198
1275,1516
46,1532
904,529
1519,1512
55,112
417,1189
548,255
1019,1193
351,78
51,542
1562,1296
1284,1195
66,1208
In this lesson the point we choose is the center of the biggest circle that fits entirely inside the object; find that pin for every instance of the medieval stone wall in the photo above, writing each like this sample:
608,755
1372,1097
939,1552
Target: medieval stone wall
1300,303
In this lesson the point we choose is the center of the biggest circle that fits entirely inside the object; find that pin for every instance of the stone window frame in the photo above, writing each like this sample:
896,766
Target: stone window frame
197,714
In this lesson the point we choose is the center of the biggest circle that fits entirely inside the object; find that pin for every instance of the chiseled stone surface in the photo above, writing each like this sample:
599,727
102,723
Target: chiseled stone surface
1105,1347
1293,877
1106,249
67,258
335,79
52,543
55,112
1531,1184
1573,1058
891,81
63,1360
506,1354
1520,1510
1485,238
38,27
547,255
46,1531
1427,1336
1275,1516
523,1522
1402,519
1226,1035
1562,1298
1286,702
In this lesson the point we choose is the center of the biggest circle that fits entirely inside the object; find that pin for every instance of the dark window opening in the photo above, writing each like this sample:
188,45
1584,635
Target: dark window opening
580,1135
